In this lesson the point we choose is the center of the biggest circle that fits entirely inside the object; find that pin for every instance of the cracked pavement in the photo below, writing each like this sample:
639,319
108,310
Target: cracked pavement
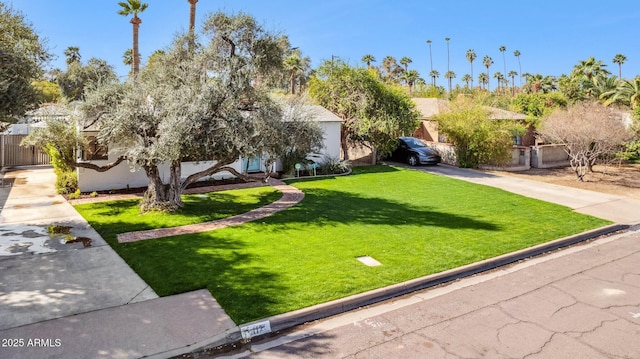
581,302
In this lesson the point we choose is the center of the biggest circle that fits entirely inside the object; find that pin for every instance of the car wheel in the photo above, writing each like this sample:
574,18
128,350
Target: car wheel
412,160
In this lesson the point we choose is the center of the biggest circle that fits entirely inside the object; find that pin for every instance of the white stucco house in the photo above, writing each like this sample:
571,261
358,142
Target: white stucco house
124,175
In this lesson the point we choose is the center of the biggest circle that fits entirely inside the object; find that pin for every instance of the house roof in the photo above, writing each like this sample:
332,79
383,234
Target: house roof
324,115
430,107
46,111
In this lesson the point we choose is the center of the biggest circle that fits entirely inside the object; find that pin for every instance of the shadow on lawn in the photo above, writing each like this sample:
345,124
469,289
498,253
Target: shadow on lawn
180,264
322,206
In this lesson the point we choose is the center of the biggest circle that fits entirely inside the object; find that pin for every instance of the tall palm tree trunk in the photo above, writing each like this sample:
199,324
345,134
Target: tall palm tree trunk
192,16
136,54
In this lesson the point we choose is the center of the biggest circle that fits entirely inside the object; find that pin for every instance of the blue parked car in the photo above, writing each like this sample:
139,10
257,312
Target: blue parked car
413,151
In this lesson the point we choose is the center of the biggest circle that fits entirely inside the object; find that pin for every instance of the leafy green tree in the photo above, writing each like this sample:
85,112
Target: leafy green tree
487,61
538,83
134,7
127,57
537,105
619,59
47,91
374,113
23,55
471,56
78,77
477,138
584,80
368,59
200,104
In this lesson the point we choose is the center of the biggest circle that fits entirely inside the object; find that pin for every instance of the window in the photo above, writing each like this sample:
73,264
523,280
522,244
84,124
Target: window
95,151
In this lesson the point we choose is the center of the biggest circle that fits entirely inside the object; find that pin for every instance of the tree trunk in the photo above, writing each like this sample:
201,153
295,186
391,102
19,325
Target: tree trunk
175,189
343,143
155,197
136,55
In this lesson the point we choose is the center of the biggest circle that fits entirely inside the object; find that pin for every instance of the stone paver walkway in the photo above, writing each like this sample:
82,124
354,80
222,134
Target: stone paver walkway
290,197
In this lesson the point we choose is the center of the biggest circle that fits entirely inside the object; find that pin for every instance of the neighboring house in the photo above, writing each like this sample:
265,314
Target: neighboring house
430,107
124,175
34,118
428,131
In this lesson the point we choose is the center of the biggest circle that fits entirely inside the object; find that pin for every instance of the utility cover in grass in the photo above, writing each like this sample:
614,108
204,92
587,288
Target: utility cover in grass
369,261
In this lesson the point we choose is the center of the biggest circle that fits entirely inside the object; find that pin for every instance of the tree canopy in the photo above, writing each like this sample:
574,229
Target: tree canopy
22,55
374,113
199,104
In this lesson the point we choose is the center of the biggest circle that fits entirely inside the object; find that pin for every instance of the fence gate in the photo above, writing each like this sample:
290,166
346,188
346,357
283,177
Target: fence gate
12,154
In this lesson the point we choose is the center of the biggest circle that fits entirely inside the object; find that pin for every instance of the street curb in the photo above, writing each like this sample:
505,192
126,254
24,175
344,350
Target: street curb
291,319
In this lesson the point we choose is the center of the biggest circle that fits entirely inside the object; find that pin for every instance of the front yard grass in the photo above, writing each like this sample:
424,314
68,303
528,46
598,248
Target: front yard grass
412,222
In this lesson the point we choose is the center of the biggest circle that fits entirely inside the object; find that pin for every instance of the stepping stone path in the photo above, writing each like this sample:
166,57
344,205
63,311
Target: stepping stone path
290,197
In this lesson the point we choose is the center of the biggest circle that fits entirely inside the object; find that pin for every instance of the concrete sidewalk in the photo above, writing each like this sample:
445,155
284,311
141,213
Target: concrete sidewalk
65,300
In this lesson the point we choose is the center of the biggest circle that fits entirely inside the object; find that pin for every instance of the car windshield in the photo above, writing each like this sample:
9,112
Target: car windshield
414,142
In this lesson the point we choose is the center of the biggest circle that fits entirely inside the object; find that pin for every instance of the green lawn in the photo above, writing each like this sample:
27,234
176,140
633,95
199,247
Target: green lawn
412,222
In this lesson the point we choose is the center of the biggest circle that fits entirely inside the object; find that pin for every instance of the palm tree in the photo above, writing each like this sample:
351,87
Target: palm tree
293,64
434,74
627,92
449,75
466,79
619,59
590,68
410,77
127,57
134,7
368,59
430,58
513,75
498,76
483,79
405,61
487,61
517,54
471,55
72,53
192,16
504,61
448,57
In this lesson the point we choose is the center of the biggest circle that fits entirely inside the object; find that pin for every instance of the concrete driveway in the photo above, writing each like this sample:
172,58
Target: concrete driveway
41,276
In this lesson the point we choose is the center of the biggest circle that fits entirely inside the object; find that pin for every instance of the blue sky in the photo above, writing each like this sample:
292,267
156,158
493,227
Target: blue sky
552,36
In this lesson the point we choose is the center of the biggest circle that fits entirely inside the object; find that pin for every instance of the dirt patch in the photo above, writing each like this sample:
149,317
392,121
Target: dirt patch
623,180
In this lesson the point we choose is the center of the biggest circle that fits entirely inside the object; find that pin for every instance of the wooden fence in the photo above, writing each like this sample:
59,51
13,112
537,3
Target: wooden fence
12,154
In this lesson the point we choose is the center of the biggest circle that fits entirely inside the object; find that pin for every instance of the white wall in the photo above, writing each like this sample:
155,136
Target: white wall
124,175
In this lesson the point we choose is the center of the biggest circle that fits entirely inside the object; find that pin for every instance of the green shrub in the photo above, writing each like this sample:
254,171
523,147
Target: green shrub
332,165
94,194
290,158
75,194
66,182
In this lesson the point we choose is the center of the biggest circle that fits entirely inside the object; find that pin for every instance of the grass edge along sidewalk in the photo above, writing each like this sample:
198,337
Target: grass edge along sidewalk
415,224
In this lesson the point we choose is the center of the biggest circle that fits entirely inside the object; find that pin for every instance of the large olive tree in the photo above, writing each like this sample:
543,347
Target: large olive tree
199,103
